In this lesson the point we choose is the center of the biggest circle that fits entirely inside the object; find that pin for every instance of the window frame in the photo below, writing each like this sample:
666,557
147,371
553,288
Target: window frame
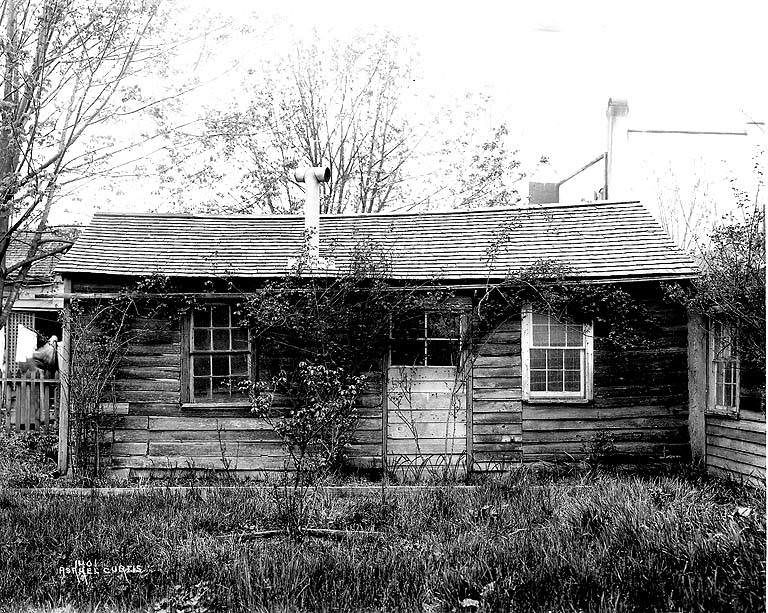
188,399
586,350
427,338
712,361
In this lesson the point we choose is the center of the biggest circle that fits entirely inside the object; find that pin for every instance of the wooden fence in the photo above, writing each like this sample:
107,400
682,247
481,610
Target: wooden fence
29,402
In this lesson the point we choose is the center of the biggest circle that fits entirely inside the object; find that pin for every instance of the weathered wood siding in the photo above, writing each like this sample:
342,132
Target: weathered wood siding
640,406
497,414
240,444
160,434
735,446
426,418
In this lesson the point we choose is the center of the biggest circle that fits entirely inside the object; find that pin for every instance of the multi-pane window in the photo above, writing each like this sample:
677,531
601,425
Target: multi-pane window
556,357
725,367
426,339
219,354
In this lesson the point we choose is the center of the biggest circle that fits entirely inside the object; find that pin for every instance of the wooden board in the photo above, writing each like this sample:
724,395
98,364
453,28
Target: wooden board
426,412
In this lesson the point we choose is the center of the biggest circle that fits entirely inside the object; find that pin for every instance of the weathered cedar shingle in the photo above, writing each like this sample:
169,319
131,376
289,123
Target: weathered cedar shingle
42,270
597,240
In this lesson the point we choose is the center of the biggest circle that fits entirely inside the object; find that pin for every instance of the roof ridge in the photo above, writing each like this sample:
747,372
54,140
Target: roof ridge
489,209
197,215
499,209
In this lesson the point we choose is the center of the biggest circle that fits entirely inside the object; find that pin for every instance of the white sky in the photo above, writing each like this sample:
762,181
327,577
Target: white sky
550,66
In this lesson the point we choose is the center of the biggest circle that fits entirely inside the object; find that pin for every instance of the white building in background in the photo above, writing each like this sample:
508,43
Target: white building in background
685,175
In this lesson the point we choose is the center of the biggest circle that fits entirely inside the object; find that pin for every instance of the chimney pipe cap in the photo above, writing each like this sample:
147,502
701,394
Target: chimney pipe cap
617,107
321,174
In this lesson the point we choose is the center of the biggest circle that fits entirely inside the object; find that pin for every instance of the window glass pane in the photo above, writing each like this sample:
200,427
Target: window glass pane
442,353
222,386
540,335
202,387
407,353
221,340
555,358
220,365
202,365
574,335
202,317
538,381
557,334
554,380
408,326
239,364
719,400
538,358
220,315
572,380
239,338
202,339
443,325
540,318
719,373
572,359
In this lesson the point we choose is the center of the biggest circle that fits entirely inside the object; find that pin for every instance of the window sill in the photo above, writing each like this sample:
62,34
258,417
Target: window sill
186,406
733,413
421,366
555,400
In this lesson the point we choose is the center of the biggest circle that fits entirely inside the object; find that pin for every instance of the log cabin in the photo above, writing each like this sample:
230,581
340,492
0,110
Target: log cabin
537,389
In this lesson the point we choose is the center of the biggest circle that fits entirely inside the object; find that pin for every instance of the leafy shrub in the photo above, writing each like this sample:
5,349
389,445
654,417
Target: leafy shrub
320,419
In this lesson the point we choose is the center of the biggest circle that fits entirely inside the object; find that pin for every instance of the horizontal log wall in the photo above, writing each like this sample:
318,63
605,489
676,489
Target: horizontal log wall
159,434
640,407
736,447
497,418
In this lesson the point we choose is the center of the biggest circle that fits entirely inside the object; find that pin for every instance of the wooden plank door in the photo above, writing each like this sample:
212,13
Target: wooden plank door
426,421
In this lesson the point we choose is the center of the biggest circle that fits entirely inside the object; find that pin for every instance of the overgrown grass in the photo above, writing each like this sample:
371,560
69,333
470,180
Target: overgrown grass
620,543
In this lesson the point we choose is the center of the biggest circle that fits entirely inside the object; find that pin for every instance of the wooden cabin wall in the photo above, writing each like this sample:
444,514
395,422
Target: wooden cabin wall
497,412
640,408
158,435
735,446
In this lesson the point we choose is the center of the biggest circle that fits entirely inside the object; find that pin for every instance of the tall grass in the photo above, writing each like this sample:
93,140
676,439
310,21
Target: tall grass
621,543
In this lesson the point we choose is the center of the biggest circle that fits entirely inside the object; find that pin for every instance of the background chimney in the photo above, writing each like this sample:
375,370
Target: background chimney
543,193
616,149
312,178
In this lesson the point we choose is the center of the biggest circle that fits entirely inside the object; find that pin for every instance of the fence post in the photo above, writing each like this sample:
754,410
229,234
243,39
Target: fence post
39,414
22,404
64,384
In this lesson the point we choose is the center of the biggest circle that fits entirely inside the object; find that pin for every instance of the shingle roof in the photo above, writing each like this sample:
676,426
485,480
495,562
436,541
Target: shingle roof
596,240
42,270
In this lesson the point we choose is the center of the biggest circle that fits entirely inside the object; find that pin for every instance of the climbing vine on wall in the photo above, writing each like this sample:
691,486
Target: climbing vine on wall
621,320
100,332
